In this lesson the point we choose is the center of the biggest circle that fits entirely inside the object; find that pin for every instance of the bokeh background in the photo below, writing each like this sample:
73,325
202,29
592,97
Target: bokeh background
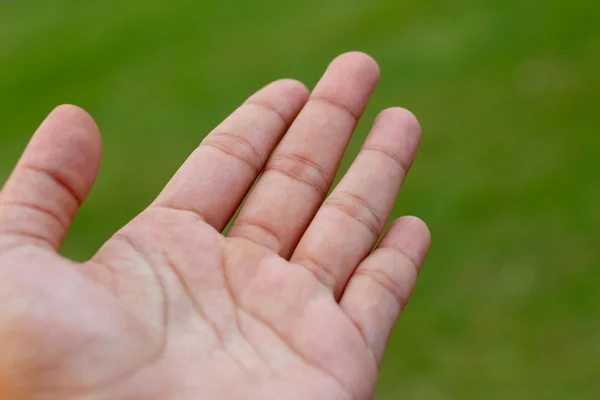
508,304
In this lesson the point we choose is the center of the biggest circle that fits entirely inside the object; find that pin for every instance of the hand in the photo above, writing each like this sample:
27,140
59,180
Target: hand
290,304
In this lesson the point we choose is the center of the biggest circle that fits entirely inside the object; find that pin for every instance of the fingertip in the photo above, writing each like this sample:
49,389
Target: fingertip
77,117
67,146
72,110
417,226
362,64
284,96
293,87
284,88
396,132
411,236
71,126
400,117
349,82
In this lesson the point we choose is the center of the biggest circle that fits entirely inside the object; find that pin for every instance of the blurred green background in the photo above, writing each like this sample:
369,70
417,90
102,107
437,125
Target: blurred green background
508,304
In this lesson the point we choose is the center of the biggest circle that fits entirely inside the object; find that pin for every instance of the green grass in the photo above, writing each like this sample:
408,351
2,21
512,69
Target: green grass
507,306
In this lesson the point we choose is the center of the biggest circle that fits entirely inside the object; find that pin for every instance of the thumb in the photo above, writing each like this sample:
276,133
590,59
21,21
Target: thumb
51,180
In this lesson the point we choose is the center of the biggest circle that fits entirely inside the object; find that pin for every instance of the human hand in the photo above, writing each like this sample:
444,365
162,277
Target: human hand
290,304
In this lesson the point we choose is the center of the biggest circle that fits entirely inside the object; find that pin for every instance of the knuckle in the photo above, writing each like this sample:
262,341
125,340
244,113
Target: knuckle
301,169
386,283
234,146
323,274
257,232
55,180
358,208
23,211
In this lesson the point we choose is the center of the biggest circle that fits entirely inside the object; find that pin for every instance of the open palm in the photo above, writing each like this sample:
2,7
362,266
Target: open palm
292,303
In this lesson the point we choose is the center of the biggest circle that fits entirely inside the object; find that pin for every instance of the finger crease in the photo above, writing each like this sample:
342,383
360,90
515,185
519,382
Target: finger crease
242,222
413,263
244,156
58,180
33,239
386,282
349,204
301,169
36,207
404,167
337,104
269,107
241,140
195,214
318,269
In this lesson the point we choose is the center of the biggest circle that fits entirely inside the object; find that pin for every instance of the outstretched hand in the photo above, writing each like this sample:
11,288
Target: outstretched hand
291,304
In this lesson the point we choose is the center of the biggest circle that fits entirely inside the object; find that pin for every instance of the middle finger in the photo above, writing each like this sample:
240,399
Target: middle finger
299,174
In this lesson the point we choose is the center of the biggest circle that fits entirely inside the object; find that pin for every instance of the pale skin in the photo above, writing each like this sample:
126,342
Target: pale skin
292,303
